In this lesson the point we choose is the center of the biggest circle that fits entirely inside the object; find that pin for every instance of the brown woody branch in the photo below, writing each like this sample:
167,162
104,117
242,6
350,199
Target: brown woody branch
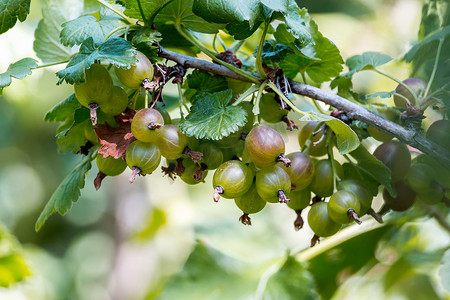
353,110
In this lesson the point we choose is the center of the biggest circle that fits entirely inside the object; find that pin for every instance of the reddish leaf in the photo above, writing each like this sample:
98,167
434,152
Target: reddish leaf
115,140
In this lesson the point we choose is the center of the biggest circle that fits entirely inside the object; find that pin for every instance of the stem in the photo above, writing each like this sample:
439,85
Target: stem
237,45
214,43
337,239
146,99
398,81
126,27
52,64
111,7
208,52
141,11
152,17
255,109
181,100
285,99
245,94
318,107
433,73
403,97
222,43
333,165
259,67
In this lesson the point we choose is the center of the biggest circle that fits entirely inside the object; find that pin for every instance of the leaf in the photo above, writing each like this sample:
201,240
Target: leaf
209,274
11,11
327,267
228,11
274,52
180,12
381,94
320,59
149,8
444,271
241,31
47,42
76,31
346,139
18,70
115,140
204,82
117,51
144,39
441,34
67,192
292,281
63,110
211,117
365,61
373,167
71,134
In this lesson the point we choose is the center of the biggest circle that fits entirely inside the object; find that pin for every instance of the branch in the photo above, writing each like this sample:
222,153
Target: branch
353,110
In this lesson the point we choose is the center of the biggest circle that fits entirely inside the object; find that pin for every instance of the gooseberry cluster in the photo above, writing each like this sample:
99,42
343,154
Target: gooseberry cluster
250,164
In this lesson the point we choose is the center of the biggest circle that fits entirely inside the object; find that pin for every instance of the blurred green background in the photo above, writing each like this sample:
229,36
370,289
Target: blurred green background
124,241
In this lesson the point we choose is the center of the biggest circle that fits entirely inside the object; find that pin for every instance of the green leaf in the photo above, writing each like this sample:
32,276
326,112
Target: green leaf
209,274
47,41
66,193
180,12
11,11
381,95
71,134
274,52
150,8
18,70
204,82
63,110
144,39
365,61
292,281
441,34
228,11
444,271
346,139
373,167
76,31
211,117
117,51
320,59
241,31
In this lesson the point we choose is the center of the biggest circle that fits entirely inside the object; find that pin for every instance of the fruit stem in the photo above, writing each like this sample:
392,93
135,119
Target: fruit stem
154,125
353,215
195,156
93,111
286,161
376,216
245,94
333,165
298,223
285,99
259,67
399,82
114,9
315,239
436,61
98,180
403,97
245,219
218,190
146,97
290,124
198,174
183,32
136,172
282,197
255,109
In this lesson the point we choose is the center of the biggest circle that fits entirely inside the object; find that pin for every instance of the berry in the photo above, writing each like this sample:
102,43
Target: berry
136,76
343,207
318,135
110,166
439,132
142,158
265,147
301,171
417,85
322,183
405,197
273,184
362,194
117,103
146,124
396,157
232,179
320,221
249,203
